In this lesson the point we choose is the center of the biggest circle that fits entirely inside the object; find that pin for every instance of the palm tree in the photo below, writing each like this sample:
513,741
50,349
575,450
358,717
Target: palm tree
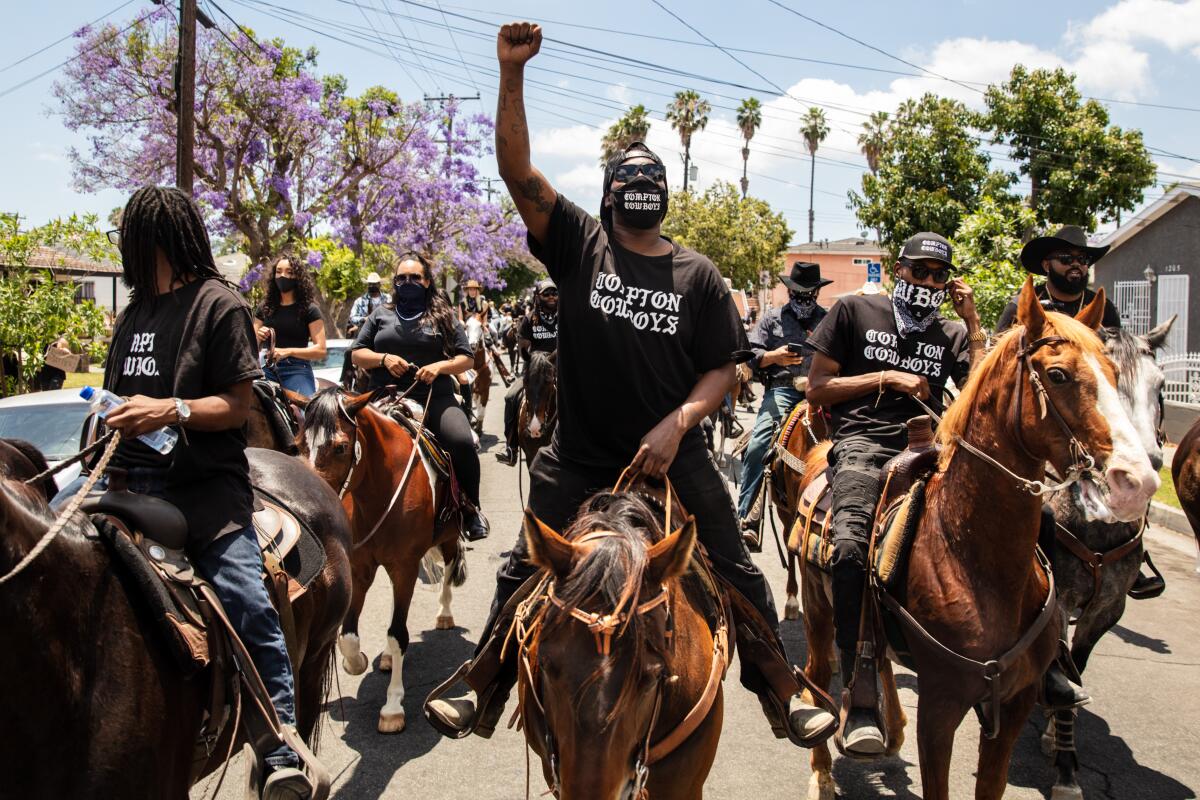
873,138
687,114
814,129
634,126
749,118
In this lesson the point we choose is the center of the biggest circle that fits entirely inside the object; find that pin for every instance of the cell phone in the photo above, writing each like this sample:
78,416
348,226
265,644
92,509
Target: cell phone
795,349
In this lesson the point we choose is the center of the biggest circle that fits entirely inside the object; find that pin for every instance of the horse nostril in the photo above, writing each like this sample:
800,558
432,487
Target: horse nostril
1156,460
1122,481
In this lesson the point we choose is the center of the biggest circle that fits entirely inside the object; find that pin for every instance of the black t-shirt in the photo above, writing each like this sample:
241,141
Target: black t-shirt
860,334
475,305
413,340
290,324
634,334
541,333
1112,317
208,476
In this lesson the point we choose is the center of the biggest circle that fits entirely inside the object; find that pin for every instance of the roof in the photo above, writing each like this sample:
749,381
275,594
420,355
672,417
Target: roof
853,244
60,260
1150,213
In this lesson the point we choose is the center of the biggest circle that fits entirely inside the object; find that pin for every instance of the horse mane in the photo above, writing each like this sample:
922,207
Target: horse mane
541,365
958,416
321,417
1125,350
612,573
46,485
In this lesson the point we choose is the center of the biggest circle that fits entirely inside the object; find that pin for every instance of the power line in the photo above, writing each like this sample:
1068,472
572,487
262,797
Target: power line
77,56
456,48
404,36
394,56
38,52
245,32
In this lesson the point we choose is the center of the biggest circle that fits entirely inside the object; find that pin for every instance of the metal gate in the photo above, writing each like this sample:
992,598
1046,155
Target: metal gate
1182,373
1173,299
1132,299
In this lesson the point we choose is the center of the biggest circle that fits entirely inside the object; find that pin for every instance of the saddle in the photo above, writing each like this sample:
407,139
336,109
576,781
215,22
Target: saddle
284,425
437,461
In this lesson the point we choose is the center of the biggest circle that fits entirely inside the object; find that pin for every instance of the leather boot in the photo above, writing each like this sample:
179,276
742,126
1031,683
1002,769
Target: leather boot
752,534
459,716
1060,694
507,456
860,733
474,524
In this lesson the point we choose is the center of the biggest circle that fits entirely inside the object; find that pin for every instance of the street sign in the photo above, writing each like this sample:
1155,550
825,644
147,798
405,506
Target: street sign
875,272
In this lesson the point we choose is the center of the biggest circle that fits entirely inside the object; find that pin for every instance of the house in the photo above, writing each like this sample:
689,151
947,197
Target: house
844,261
99,281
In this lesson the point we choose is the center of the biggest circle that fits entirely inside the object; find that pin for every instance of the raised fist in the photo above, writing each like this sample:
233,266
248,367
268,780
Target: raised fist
518,42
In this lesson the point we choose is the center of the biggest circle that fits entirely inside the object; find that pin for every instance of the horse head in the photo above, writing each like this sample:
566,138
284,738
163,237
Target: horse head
1051,391
328,437
603,653
541,394
1140,382
474,331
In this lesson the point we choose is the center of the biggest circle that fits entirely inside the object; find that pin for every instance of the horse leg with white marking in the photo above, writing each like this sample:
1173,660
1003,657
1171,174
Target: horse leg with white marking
455,574
404,580
354,660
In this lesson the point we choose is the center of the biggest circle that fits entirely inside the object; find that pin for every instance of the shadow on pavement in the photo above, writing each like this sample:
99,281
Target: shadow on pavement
429,660
864,779
1141,640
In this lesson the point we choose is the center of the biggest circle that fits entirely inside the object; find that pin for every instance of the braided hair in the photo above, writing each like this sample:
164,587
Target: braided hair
163,217
439,313
306,289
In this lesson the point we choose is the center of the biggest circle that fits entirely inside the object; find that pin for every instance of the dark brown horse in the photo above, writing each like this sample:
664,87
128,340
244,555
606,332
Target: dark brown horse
275,413
973,582
618,654
103,710
392,501
1185,472
539,406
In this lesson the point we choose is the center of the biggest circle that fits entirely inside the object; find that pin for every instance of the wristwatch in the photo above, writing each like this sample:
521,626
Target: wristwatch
182,411
980,336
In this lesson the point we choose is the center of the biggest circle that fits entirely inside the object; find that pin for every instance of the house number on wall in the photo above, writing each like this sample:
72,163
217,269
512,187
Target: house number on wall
1173,268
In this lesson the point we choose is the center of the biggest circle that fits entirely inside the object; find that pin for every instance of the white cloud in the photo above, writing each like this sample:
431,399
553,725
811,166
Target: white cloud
578,141
619,92
1174,25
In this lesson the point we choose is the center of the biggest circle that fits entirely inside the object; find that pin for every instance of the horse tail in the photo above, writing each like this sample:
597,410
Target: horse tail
458,567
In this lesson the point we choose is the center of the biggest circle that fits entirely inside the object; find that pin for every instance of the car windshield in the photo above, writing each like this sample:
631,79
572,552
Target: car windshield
333,358
53,429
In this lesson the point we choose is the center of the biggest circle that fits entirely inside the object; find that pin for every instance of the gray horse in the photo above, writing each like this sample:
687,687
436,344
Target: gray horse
1097,598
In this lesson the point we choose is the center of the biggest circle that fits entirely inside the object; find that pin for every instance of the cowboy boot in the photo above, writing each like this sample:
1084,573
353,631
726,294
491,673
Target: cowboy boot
1059,694
860,733
474,524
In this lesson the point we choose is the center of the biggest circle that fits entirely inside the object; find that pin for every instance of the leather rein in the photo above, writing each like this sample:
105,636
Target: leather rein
527,627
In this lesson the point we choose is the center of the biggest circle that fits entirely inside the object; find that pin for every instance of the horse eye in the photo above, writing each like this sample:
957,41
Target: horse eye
341,449
1058,376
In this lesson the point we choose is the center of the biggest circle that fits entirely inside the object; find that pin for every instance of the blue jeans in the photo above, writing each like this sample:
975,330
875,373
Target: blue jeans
295,374
233,565
777,403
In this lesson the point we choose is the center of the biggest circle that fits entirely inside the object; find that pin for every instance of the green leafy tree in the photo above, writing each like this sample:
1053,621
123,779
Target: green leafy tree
814,129
687,114
35,309
742,236
987,247
871,140
1081,169
749,119
633,126
931,173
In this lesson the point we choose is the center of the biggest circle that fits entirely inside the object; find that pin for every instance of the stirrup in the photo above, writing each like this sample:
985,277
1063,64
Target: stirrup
1155,585
483,700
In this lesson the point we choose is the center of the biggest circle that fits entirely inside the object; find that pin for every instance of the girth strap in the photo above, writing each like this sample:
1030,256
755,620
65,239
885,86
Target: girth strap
1096,562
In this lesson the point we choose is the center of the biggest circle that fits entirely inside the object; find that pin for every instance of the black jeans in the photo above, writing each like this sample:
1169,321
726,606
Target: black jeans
512,410
446,419
558,488
857,466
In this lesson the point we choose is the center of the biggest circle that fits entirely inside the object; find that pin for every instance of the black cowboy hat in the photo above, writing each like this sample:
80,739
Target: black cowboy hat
1035,250
805,277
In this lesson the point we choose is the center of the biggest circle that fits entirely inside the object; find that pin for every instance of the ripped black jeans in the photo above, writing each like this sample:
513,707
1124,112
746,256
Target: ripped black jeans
856,463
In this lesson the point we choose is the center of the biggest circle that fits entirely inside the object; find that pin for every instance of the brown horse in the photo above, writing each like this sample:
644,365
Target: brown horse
392,502
481,388
103,710
1185,472
618,654
1046,393
539,406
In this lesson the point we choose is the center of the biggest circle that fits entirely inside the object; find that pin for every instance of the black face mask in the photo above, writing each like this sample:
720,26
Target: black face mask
373,289
285,285
411,299
1067,285
641,203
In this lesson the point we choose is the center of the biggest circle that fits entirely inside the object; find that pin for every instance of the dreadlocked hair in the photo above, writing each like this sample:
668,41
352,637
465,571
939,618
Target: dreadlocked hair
163,217
306,290
439,313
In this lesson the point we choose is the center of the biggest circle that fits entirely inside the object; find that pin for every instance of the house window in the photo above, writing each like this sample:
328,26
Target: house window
85,290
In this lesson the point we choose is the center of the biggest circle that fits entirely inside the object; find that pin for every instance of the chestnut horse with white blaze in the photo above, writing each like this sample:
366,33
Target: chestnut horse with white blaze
1045,394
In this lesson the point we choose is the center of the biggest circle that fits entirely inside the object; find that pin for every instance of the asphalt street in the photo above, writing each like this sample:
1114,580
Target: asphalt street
1137,740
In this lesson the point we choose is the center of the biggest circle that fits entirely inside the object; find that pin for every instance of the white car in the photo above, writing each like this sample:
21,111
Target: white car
52,421
330,368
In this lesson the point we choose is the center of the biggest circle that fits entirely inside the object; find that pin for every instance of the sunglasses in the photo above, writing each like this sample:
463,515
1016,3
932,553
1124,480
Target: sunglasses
114,236
550,293
921,272
1069,259
627,172
408,277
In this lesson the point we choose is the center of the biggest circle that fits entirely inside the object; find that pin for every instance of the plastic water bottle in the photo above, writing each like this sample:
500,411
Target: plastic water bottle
103,401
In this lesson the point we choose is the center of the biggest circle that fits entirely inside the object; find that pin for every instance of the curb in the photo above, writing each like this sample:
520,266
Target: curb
1170,518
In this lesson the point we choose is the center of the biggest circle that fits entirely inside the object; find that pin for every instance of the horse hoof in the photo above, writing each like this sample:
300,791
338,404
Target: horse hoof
821,787
391,723
791,609
385,662
1066,793
356,667
445,623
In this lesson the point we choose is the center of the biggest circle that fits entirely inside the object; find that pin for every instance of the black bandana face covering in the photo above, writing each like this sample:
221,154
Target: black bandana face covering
803,304
641,204
916,306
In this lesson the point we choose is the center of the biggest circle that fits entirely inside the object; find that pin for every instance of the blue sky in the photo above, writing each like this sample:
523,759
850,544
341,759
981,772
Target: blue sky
1145,51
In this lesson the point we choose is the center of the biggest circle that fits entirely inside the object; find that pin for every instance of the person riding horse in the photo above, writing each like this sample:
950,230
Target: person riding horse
365,303
871,356
538,333
776,340
418,339
1065,259
183,353
646,342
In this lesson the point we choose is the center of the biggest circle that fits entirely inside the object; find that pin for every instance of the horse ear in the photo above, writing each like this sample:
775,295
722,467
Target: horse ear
1157,337
356,403
295,398
1030,312
546,548
1093,313
669,558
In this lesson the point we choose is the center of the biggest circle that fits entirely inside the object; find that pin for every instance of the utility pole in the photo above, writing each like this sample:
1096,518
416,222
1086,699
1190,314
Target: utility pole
442,101
489,191
185,91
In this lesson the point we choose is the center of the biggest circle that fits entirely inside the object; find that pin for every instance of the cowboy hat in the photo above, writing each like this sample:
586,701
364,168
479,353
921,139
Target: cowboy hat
373,278
472,284
805,277
1035,250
